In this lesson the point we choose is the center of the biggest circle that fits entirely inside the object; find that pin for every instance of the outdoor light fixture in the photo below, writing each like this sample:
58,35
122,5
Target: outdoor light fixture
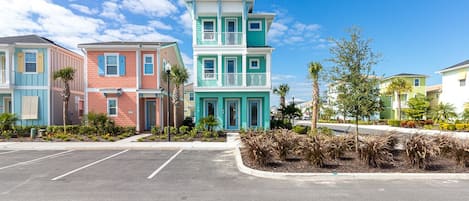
167,68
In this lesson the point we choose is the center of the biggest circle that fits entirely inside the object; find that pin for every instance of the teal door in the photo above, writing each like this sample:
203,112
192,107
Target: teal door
254,113
150,114
231,72
232,114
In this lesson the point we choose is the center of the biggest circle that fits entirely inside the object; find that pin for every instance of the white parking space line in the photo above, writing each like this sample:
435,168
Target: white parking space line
34,160
86,166
164,164
7,152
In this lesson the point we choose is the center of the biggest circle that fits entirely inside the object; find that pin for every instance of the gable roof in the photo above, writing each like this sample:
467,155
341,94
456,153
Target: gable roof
125,43
25,39
455,66
405,75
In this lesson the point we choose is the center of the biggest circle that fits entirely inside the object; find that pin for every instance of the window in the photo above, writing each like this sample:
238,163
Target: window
254,113
111,64
254,26
417,82
191,96
254,63
209,68
30,59
462,83
208,30
148,64
112,107
210,108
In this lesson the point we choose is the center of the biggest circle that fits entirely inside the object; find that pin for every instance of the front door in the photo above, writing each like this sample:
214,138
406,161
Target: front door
254,113
231,71
231,32
232,114
150,114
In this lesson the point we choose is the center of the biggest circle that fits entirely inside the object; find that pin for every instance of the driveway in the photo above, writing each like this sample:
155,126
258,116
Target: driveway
183,175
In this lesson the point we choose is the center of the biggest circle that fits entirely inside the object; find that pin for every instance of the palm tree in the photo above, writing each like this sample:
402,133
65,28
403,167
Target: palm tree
398,86
444,112
66,75
282,91
314,69
178,77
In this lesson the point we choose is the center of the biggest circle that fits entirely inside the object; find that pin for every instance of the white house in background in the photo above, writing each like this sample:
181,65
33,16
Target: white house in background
454,85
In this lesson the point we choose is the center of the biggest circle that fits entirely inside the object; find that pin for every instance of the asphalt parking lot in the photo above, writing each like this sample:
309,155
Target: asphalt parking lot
183,175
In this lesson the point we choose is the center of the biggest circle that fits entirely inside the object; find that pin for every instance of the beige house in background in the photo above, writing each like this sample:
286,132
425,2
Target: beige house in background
433,95
189,104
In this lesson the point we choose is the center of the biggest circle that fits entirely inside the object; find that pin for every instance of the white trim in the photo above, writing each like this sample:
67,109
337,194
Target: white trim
453,68
260,123
252,22
107,107
258,63
138,111
238,112
32,87
232,89
4,101
117,63
24,60
158,68
152,63
214,69
215,109
235,64
235,28
122,89
214,29
137,69
195,69
49,86
85,74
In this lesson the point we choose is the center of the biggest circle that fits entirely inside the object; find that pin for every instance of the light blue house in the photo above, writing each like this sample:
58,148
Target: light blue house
27,87
232,63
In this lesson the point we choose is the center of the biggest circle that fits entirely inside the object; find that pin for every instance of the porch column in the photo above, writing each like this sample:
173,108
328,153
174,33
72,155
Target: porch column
244,69
221,112
138,113
195,69
219,28
219,67
244,112
268,70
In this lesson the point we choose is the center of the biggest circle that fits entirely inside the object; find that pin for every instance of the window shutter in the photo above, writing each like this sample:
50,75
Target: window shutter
101,65
20,61
29,107
121,65
40,62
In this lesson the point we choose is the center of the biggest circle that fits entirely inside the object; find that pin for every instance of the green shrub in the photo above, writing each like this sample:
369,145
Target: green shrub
428,127
325,131
394,123
189,122
193,133
451,127
7,121
300,129
173,130
460,127
155,130
209,122
207,134
101,122
7,134
87,130
183,129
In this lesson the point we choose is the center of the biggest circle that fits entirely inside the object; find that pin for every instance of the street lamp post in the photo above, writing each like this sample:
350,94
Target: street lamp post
168,73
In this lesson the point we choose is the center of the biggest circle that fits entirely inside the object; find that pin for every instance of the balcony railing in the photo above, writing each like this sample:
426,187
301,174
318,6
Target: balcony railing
223,38
234,80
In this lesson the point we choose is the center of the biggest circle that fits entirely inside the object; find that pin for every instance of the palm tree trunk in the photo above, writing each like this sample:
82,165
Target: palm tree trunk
175,103
65,106
399,106
314,118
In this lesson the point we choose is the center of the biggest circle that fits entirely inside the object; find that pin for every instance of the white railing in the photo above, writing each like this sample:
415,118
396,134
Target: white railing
234,80
256,79
226,38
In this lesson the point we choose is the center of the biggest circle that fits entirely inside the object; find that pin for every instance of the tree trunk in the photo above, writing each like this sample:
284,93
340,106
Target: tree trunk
314,118
356,134
175,101
65,106
399,106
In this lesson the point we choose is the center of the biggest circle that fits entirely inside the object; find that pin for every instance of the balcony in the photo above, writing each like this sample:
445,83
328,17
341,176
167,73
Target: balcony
223,38
234,80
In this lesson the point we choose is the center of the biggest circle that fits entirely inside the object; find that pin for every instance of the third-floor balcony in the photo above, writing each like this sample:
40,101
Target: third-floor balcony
221,39
234,80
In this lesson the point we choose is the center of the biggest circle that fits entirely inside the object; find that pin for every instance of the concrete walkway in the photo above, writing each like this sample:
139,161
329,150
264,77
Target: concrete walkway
128,143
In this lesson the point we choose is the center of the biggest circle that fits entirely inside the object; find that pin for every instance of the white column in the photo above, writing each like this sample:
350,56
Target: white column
219,31
243,28
7,67
219,71
194,24
244,69
195,67
138,64
268,70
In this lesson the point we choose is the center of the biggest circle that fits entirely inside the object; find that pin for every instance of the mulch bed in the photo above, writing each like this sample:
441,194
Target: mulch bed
70,139
181,138
350,164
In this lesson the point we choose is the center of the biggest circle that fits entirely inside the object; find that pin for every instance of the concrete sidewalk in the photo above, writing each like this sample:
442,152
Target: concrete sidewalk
128,143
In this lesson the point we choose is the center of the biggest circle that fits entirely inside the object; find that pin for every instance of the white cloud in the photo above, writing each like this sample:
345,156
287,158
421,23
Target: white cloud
156,8
186,21
84,9
159,25
111,10
188,62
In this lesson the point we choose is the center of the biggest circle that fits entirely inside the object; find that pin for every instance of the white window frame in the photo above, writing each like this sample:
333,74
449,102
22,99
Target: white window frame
260,114
258,64
107,107
191,96
214,109
152,63
214,29
105,64
252,22
214,69
416,80
24,61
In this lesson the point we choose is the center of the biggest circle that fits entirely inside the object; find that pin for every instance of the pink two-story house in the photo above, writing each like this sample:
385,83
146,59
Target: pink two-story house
124,81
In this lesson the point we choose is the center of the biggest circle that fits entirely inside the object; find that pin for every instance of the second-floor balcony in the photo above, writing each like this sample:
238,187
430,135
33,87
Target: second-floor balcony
234,80
222,38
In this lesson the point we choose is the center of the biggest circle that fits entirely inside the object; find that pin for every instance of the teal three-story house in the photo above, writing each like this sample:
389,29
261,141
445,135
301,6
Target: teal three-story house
232,63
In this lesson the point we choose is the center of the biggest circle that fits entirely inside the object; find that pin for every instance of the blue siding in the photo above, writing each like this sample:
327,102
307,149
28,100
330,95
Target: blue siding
101,65
122,65
43,106
2,108
256,38
39,79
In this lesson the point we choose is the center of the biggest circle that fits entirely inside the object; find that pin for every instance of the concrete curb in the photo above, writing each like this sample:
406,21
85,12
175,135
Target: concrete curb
345,176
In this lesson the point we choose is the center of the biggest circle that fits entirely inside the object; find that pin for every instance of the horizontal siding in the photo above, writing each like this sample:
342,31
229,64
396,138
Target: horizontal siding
127,81
39,79
43,106
149,81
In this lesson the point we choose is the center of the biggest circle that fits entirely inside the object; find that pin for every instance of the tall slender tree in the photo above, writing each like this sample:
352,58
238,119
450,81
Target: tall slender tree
178,77
282,91
397,87
65,75
313,70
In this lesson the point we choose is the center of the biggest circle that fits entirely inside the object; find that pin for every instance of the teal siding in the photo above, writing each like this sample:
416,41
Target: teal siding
43,106
39,79
2,108
262,64
243,97
199,31
200,81
256,38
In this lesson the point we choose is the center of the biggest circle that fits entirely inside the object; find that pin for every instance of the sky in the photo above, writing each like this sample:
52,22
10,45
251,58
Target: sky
413,36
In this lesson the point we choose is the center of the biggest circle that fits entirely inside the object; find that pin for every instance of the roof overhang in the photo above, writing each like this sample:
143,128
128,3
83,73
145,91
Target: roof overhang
107,92
452,69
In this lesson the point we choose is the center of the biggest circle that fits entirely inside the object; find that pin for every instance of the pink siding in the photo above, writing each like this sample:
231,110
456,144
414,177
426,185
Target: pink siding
126,107
127,81
149,81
